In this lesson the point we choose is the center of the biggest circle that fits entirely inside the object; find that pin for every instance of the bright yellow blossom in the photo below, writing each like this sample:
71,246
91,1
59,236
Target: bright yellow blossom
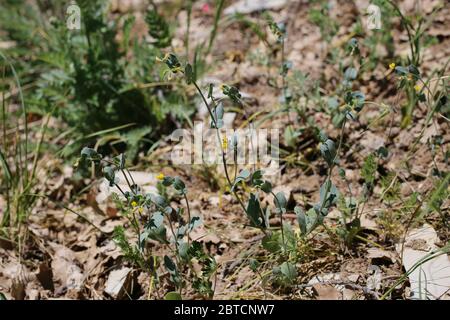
392,66
417,87
134,204
224,143
160,176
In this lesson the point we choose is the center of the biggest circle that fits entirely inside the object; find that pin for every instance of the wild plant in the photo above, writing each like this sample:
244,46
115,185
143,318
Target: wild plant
88,74
257,214
410,71
152,219
283,241
17,177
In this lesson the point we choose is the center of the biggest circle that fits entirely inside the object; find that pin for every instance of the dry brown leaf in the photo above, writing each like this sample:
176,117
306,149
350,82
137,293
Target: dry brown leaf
65,268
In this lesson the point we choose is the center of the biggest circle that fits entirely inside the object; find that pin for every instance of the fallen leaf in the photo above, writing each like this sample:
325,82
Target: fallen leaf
45,276
65,268
119,283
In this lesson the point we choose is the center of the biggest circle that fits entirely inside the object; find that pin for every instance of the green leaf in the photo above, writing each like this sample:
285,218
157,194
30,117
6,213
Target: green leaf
254,264
155,228
120,161
110,175
301,219
331,196
289,271
90,154
333,104
189,74
412,69
328,151
402,71
172,62
232,93
195,222
179,185
266,187
158,29
254,210
439,194
172,296
158,200
7,170
256,179
242,176
234,140
257,175
290,237
350,74
352,46
167,181
170,265
382,152
355,100
280,202
183,249
312,220
369,169
272,242
218,113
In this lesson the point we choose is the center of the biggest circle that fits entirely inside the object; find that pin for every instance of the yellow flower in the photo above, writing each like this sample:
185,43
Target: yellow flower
392,66
134,204
417,87
224,143
141,210
160,177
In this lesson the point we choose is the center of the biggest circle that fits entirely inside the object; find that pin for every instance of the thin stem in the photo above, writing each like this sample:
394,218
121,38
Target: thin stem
283,78
189,218
131,176
407,27
188,28
281,219
221,147
330,171
126,178
177,252
120,189
215,26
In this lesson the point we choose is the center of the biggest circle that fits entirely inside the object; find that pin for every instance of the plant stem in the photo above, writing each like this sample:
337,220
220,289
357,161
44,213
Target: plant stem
281,219
189,218
221,147
216,23
333,164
